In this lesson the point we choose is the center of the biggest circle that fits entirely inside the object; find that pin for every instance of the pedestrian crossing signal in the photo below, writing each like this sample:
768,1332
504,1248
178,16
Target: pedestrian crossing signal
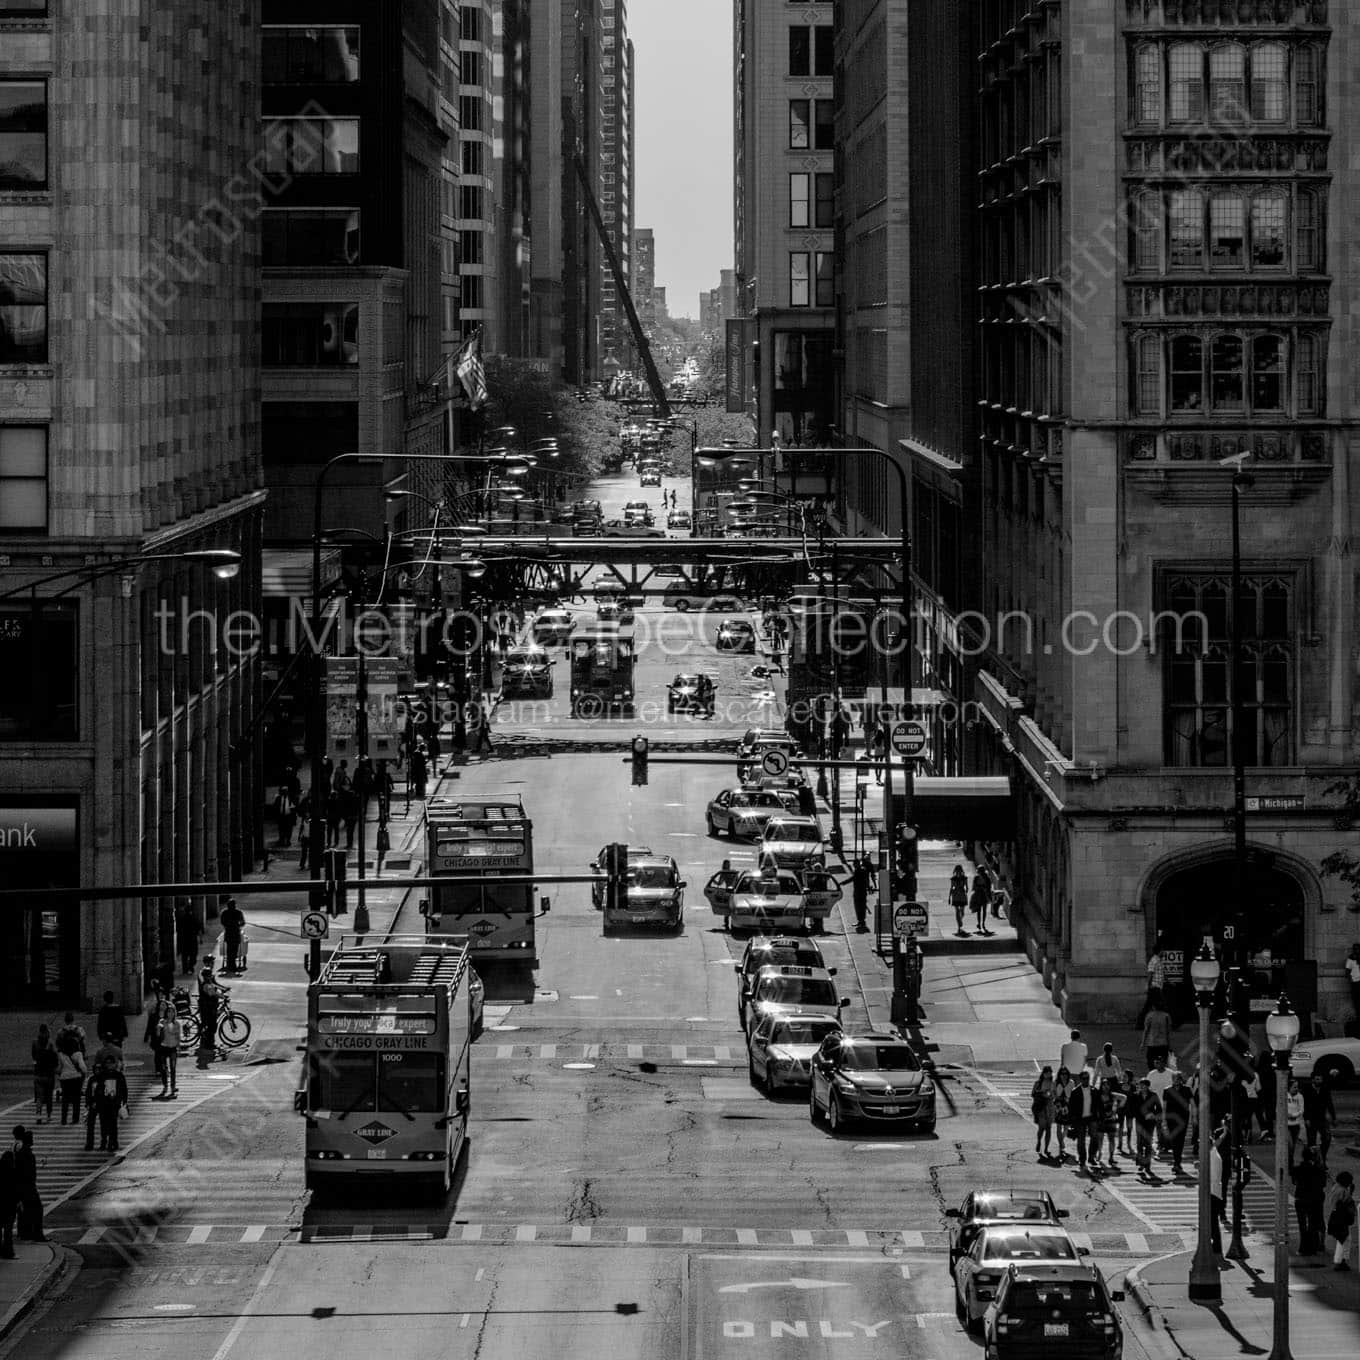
639,761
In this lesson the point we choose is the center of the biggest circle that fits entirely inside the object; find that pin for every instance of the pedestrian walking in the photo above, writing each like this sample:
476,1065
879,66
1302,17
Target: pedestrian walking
1112,1101
958,896
1156,984
1340,1212
70,1035
209,997
1310,1192
1128,1112
304,809
1293,1115
46,1061
418,774
483,742
9,1203
1319,1114
1082,1114
1159,1083
1216,1196
1107,1067
350,807
111,1023
285,813
1041,1108
980,899
1073,1055
1063,1086
110,1097
1177,1105
1157,1027
188,933
72,1075
1250,1102
172,1035
1353,977
434,750
860,882
335,816
1001,902
233,922
155,1021
29,1204
1147,1117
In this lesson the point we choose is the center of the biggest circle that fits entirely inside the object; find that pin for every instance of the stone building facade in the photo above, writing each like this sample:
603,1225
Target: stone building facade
130,195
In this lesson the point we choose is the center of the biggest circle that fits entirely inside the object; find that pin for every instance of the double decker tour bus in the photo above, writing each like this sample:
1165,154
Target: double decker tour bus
602,659
472,842
385,1085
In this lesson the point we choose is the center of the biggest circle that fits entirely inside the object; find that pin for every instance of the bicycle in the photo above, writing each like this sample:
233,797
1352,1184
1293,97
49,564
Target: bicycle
233,1028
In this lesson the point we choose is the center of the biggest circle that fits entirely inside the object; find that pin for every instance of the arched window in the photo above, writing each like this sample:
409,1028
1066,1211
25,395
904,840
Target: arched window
1308,232
1226,384
1187,230
1308,375
1227,231
1267,373
1147,375
1147,231
1307,86
1228,82
1187,82
1269,85
1147,95
1268,230
1187,373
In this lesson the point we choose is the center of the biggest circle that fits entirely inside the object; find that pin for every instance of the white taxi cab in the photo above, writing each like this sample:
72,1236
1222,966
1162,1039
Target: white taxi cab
770,900
786,988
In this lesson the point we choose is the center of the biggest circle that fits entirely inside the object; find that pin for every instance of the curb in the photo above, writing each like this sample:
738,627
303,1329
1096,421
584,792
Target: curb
945,944
1141,1294
63,1259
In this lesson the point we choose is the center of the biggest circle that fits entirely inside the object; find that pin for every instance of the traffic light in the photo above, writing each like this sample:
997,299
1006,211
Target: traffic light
1234,1051
908,859
616,872
639,761
333,866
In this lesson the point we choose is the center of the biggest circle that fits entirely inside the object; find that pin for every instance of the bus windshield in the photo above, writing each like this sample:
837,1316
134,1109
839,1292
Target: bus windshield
363,1082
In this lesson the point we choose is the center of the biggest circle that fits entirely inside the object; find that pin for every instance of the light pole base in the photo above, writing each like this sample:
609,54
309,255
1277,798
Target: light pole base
1206,1291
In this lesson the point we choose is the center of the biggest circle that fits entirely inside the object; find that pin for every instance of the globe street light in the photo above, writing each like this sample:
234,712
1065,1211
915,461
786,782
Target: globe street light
1204,1281
1282,1032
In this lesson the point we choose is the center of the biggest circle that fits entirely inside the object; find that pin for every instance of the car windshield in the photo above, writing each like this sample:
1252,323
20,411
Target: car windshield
755,800
879,1058
796,991
1051,1246
1030,1296
802,1031
1009,1207
525,659
774,958
651,876
791,831
783,885
686,680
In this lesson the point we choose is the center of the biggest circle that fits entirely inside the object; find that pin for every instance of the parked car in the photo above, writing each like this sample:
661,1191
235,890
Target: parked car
1336,1060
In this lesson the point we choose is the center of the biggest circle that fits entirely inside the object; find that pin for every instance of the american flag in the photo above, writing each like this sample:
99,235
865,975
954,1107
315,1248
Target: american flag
467,364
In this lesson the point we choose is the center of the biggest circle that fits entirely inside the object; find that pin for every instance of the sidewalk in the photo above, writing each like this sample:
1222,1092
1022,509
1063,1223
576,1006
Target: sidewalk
1323,1305
27,1279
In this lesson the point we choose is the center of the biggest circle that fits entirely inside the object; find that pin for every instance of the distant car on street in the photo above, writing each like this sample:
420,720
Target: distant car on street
779,1050
742,812
768,900
789,987
982,1207
979,1271
735,635
554,625
682,596
1060,1310
690,692
792,843
876,1077
527,670
678,519
764,951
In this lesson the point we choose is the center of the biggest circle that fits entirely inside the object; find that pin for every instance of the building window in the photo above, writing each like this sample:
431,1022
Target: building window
1200,674
1228,82
1227,386
28,8
1227,232
1308,232
312,236
470,113
800,287
800,50
1307,86
1267,373
23,479
472,158
826,279
1186,83
23,134
1267,230
1147,232
1147,106
310,334
1187,230
470,67
823,51
23,309
470,249
1269,84
312,146
39,670
1147,384
471,24
470,202
1308,375
309,56
824,126
472,292
800,122
826,199
799,206
1187,373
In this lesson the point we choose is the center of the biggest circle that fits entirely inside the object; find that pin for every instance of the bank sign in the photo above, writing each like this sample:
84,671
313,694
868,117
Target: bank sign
37,831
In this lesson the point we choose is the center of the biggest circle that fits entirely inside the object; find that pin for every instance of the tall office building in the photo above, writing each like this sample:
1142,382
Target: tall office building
1165,280
785,123
616,185
132,178
644,274
547,223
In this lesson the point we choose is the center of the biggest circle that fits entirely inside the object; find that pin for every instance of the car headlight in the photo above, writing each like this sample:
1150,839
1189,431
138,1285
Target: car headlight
843,1083
1303,1054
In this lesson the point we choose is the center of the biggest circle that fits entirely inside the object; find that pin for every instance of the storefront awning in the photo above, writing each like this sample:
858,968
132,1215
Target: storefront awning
961,808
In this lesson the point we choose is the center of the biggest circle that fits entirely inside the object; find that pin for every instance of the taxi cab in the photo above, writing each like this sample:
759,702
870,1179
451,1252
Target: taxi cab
527,670
769,900
763,951
791,843
787,987
742,812
554,625
655,897
779,1050
1015,1204
635,853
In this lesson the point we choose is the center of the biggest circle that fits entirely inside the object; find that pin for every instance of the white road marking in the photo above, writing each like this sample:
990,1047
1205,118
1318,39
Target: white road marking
252,1303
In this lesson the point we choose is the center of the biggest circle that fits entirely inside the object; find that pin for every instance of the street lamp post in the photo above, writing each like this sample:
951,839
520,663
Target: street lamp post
1204,1281
1282,1032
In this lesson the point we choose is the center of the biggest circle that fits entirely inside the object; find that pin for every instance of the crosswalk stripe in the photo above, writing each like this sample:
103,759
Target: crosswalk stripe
472,1232
912,1239
254,1233
801,1237
90,1236
199,1234
526,1232
580,1233
637,1234
857,1238
690,1235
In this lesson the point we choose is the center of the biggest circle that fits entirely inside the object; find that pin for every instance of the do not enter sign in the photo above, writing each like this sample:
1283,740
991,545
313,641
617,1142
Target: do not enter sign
909,739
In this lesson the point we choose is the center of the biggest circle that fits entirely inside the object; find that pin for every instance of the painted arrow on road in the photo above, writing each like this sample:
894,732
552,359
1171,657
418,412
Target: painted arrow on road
796,1282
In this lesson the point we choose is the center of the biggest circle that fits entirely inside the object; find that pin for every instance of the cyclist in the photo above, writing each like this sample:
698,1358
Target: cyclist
210,996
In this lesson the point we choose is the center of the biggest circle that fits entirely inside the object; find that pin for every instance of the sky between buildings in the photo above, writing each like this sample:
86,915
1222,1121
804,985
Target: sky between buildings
684,141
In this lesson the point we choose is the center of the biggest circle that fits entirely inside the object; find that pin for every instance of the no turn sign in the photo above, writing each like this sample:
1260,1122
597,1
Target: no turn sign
909,739
774,762
315,925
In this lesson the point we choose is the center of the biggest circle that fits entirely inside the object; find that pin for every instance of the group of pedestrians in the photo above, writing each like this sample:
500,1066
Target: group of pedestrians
985,899
21,1211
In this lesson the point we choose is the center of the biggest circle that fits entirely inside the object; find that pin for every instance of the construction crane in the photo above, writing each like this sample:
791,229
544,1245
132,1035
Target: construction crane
659,398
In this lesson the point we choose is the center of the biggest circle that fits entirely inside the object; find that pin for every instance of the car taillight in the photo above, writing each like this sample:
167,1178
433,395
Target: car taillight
1002,1327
